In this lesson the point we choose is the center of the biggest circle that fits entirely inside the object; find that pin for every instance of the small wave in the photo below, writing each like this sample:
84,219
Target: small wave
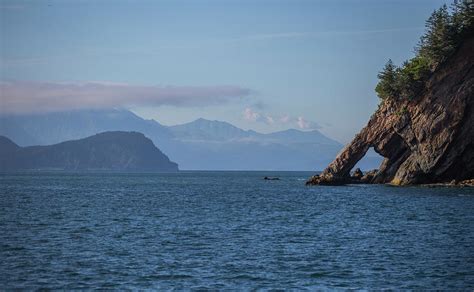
319,274
12,248
246,277
171,277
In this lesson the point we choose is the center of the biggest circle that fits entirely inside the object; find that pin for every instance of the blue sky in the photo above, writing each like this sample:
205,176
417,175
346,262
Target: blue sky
262,65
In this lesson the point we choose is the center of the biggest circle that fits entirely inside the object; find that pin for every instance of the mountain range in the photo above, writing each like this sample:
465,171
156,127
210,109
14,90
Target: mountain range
198,145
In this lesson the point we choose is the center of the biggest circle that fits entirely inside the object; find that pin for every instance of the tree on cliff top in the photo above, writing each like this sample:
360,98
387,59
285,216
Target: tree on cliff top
439,40
445,31
463,17
387,88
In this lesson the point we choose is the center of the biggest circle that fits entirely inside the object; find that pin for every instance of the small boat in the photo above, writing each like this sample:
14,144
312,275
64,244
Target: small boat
271,178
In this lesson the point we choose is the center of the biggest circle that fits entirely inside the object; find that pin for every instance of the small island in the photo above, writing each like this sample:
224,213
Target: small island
108,151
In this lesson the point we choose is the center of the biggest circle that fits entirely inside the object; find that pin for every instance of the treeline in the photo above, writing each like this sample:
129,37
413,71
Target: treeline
445,30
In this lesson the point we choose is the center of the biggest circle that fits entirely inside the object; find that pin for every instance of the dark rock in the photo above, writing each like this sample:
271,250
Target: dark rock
429,139
327,180
453,183
358,174
466,183
369,176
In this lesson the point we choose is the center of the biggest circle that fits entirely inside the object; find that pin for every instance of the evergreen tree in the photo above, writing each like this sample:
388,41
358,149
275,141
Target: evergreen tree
462,18
411,77
386,87
437,43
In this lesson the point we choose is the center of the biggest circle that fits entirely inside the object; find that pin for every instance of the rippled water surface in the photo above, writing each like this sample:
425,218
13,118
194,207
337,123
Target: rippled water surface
230,230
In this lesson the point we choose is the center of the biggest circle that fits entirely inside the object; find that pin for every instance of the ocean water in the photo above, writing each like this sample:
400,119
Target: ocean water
230,230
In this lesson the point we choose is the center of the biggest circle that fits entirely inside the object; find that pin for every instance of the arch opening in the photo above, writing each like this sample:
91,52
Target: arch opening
371,160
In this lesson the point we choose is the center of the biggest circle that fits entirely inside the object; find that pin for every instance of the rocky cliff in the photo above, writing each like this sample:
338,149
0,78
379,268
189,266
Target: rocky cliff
108,151
429,139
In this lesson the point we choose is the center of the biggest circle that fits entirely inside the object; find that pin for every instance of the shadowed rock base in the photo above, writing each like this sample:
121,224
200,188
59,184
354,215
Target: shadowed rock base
453,183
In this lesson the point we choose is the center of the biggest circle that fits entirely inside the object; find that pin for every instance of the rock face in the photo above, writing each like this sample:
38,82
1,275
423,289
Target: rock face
109,151
426,140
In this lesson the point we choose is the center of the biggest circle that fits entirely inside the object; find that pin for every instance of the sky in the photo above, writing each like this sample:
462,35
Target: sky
261,65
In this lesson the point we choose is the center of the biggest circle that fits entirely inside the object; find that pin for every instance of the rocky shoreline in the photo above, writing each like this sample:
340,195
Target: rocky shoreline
358,177
454,183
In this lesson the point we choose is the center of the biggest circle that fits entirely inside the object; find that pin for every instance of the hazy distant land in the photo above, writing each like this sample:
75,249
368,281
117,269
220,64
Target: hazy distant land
198,145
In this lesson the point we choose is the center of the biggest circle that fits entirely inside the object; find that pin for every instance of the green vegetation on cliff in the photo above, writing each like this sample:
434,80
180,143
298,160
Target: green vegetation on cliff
445,30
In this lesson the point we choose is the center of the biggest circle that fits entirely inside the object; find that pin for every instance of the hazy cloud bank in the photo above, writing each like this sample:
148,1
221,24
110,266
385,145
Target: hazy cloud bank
27,97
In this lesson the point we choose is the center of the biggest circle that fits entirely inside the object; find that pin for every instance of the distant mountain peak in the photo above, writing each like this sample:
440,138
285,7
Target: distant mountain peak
202,121
7,145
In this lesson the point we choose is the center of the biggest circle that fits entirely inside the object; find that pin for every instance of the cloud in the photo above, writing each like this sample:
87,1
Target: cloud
252,115
310,34
306,125
259,105
269,120
275,36
285,119
11,6
24,97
